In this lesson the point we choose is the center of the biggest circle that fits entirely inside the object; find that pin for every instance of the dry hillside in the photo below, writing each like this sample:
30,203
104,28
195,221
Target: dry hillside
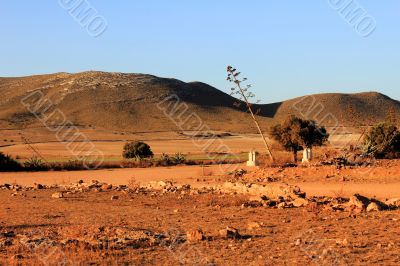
128,102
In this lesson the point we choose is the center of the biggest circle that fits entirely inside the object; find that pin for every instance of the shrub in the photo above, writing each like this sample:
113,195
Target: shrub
8,164
137,150
382,141
165,160
179,158
35,164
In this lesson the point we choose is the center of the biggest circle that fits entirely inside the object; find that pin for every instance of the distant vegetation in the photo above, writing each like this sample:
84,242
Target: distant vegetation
8,164
137,150
295,134
383,141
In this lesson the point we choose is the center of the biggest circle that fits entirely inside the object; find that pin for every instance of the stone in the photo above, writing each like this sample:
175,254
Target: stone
253,225
57,195
162,184
38,186
230,232
8,234
393,202
106,186
17,257
195,236
359,201
300,202
6,242
374,207
114,197
281,205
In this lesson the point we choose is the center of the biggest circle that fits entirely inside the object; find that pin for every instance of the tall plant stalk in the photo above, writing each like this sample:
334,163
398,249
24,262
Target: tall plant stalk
245,94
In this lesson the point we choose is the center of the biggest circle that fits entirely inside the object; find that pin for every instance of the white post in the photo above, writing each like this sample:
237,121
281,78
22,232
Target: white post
307,155
252,159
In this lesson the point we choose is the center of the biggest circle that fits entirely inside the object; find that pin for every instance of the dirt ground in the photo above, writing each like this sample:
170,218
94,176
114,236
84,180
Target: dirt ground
34,221
111,143
280,237
382,180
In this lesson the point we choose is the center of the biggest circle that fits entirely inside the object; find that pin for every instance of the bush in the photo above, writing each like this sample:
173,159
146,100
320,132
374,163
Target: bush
179,158
382,141
35,164
8,164
137,150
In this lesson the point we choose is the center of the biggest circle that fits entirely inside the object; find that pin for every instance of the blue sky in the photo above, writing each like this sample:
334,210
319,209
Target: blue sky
286,48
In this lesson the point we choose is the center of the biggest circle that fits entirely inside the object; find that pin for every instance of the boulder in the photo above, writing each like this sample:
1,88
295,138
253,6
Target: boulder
374,207
300,202
230,232
106,186
57,195
195,236
393,202
359,201
253,225
38,186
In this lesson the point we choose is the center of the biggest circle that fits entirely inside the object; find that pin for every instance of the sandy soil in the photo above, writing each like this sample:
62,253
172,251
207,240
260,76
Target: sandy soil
382,181
179,174
281,237
111,143
270,236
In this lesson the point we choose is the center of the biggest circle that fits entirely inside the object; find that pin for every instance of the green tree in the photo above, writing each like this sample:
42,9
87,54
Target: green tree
137,150
382,140
295,134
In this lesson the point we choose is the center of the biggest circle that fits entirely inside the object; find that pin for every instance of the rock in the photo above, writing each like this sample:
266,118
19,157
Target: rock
38,186
359,201
393,202
300,202
162,184
9,234
57,195
195,236
114,197
17,257
6,242
375,206
281,205
106,186
253,225
230,232
298,242
255,198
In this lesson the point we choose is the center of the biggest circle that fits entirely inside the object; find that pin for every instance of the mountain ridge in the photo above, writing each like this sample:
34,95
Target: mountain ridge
126,101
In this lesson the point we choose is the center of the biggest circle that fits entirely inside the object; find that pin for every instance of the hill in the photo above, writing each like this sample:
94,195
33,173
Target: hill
131,102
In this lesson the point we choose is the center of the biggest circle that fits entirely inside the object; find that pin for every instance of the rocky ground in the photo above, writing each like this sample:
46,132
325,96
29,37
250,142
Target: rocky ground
160,223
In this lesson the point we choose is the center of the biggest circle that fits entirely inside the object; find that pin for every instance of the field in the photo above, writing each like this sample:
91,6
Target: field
186,215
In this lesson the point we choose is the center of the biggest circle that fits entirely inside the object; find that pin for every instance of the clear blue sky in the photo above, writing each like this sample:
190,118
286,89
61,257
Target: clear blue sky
286,48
